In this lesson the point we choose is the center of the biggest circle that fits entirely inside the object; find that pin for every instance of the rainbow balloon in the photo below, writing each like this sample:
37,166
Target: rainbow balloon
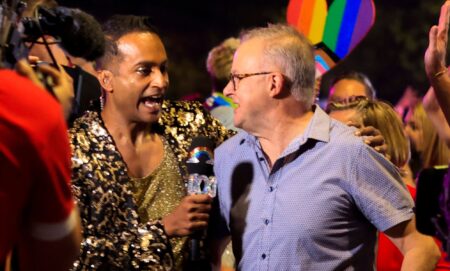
334,27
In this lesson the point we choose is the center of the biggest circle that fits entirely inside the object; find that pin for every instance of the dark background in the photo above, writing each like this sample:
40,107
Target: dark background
391,55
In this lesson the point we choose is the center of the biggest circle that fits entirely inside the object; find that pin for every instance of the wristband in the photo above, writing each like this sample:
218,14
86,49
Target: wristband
439,74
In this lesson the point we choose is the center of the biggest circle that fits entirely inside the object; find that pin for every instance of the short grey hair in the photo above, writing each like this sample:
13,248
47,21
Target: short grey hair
291,51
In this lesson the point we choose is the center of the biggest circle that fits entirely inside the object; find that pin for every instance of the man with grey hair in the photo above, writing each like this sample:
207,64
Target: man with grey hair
297,190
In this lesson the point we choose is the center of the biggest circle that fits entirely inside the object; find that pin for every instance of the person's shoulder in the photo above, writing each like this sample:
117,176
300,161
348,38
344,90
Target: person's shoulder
234,143
188,106
344,140
342,135
193,117
344,143
84,129
28,107
182,113
85,122
25,93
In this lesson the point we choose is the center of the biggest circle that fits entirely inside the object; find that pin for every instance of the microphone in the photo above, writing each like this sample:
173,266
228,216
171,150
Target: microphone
201,180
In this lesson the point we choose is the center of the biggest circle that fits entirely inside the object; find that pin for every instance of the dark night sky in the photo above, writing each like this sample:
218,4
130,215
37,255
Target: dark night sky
392,53
189,29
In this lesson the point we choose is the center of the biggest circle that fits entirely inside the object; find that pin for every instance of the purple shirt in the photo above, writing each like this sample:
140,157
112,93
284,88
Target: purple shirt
318,208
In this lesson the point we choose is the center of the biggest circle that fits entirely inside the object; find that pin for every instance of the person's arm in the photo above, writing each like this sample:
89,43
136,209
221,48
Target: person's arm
383,199
51,238
435,60
408,100
44,253
420,251
434,112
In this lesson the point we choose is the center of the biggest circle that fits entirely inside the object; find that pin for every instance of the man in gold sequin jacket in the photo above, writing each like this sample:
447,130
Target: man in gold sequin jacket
128,159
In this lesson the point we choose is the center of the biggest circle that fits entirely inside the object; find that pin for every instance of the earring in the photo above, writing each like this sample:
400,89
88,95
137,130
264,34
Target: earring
102,103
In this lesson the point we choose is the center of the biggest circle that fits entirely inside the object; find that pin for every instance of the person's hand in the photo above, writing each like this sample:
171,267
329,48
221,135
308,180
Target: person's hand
435,54
372,137
62,86
60,81
25,69
190,215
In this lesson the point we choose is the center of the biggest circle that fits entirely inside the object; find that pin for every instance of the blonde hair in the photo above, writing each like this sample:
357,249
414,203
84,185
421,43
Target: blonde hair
382,116
219,62
434,152
220,58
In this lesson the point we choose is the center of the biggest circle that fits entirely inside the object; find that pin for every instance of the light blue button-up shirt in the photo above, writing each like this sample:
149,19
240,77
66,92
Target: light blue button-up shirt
318,208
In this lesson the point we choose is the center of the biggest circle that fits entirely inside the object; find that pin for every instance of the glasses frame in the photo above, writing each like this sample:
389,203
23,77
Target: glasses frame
240,76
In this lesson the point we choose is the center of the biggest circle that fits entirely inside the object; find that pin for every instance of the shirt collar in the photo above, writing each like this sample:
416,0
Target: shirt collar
317,129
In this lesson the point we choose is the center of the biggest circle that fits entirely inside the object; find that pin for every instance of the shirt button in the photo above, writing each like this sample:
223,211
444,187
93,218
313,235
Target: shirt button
266,221
263,256
270,188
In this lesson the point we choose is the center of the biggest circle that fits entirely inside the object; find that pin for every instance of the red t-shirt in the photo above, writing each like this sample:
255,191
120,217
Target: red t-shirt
389,258
35,194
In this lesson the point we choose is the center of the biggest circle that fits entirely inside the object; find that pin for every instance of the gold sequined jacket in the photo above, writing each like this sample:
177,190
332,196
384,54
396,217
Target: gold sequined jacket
113,236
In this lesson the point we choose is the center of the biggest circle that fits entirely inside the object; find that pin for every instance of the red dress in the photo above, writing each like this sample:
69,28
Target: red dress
389,258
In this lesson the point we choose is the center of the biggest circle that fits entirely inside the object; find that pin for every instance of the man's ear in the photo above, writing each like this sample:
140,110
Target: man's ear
277,84
105,79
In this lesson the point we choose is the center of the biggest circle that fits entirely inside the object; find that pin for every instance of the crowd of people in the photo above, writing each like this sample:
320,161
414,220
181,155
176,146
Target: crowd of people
298,187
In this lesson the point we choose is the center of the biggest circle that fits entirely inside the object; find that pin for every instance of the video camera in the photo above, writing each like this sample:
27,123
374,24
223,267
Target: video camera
78,33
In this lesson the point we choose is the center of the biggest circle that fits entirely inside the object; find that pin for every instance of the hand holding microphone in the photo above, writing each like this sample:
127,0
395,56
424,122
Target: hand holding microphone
192,214
201,182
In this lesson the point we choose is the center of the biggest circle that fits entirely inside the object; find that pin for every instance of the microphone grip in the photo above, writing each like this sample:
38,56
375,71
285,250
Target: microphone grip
194,254
197,259
196,237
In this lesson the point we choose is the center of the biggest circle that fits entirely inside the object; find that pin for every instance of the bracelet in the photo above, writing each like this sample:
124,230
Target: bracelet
438,74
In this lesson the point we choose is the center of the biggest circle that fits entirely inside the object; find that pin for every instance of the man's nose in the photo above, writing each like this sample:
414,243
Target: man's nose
229,89
160,79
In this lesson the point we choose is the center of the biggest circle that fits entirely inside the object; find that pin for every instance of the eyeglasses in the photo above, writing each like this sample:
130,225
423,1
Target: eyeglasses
234,78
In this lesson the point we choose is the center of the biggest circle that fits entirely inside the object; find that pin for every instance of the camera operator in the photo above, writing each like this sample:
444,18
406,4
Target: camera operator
68,38
39,219
36,205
